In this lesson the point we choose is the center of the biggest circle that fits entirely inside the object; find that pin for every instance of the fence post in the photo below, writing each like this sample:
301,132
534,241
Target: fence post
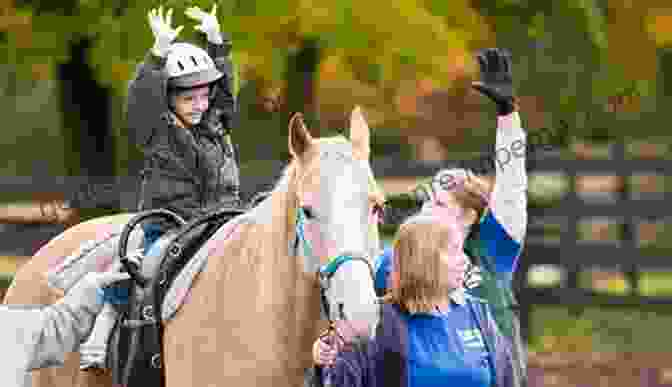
524,306
569,236
628,241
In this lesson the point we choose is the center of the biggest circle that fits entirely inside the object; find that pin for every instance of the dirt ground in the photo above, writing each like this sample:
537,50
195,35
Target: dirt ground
600,369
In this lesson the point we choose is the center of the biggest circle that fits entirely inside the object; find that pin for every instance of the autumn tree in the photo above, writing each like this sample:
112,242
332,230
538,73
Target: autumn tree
331,54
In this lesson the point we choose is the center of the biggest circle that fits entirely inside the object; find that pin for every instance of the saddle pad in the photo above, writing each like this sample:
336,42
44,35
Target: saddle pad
98,254
94,255
179,291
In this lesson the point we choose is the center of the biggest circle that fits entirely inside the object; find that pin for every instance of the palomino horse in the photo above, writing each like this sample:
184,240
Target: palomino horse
254,310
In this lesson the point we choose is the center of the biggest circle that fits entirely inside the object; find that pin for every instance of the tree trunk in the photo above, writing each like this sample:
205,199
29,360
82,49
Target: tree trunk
302,73
90,144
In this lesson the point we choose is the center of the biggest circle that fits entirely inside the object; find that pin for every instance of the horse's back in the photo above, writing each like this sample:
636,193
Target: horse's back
32,273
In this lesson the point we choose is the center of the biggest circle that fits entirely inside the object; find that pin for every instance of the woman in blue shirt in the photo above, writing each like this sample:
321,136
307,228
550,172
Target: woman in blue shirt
431,333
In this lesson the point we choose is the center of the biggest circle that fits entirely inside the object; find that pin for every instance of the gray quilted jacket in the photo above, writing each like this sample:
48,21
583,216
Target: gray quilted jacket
188,171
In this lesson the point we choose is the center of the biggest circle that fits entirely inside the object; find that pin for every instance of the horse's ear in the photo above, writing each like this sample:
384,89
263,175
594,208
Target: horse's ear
299,137
360,134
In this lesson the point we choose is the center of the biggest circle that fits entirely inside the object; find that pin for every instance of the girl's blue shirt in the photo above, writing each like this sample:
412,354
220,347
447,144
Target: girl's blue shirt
447,348
461,347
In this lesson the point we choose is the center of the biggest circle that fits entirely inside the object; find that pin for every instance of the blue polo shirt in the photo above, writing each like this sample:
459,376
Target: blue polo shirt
447,349
434,349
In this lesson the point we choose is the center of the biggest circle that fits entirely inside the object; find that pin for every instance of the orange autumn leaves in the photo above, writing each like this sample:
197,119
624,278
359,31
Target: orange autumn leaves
659,26
629,46
375,52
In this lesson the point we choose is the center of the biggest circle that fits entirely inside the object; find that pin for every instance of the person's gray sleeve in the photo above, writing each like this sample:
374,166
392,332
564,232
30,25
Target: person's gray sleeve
21,327
509,196
147,100
64,327
38,337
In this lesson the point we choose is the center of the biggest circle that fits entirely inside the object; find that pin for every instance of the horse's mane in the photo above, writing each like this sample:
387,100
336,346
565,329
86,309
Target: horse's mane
263,224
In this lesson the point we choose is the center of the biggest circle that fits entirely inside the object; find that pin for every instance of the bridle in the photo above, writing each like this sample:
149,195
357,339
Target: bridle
324,273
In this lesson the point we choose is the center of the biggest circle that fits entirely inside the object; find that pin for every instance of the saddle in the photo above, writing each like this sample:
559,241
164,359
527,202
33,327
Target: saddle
136,342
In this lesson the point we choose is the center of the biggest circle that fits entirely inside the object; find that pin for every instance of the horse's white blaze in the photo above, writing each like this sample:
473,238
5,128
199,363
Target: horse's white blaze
344,197
344,218
352,287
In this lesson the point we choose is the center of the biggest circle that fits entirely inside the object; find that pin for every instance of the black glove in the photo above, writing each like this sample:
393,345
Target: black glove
496,81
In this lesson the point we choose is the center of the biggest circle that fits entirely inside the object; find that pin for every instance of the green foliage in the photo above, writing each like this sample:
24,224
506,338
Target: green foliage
582,58
261,29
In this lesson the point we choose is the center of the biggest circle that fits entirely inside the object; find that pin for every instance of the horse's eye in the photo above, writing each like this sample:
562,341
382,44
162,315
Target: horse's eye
309,211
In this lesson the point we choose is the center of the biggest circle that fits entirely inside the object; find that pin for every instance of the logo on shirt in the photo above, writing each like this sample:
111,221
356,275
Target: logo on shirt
471,338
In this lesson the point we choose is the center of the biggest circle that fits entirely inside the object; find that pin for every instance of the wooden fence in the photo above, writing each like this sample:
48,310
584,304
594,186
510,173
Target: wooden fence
575,255
570,252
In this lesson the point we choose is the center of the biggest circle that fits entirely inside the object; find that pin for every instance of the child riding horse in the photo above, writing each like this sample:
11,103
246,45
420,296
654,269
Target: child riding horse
180,110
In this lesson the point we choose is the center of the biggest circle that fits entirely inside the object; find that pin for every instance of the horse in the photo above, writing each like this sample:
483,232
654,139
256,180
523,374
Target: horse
253,312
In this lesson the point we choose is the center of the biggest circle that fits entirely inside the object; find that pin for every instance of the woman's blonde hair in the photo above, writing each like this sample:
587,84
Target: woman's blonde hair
418,281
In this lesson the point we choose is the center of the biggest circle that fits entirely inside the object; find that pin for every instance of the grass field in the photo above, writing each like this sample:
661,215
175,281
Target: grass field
600,330
597,329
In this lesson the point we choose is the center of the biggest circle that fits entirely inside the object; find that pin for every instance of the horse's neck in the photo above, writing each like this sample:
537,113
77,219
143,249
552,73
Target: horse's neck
274,219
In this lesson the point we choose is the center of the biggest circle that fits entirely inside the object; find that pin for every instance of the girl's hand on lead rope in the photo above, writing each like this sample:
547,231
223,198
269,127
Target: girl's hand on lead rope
209,24
496,79
164,34
325,350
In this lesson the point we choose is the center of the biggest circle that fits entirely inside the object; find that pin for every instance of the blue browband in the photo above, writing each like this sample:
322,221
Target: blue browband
326,270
